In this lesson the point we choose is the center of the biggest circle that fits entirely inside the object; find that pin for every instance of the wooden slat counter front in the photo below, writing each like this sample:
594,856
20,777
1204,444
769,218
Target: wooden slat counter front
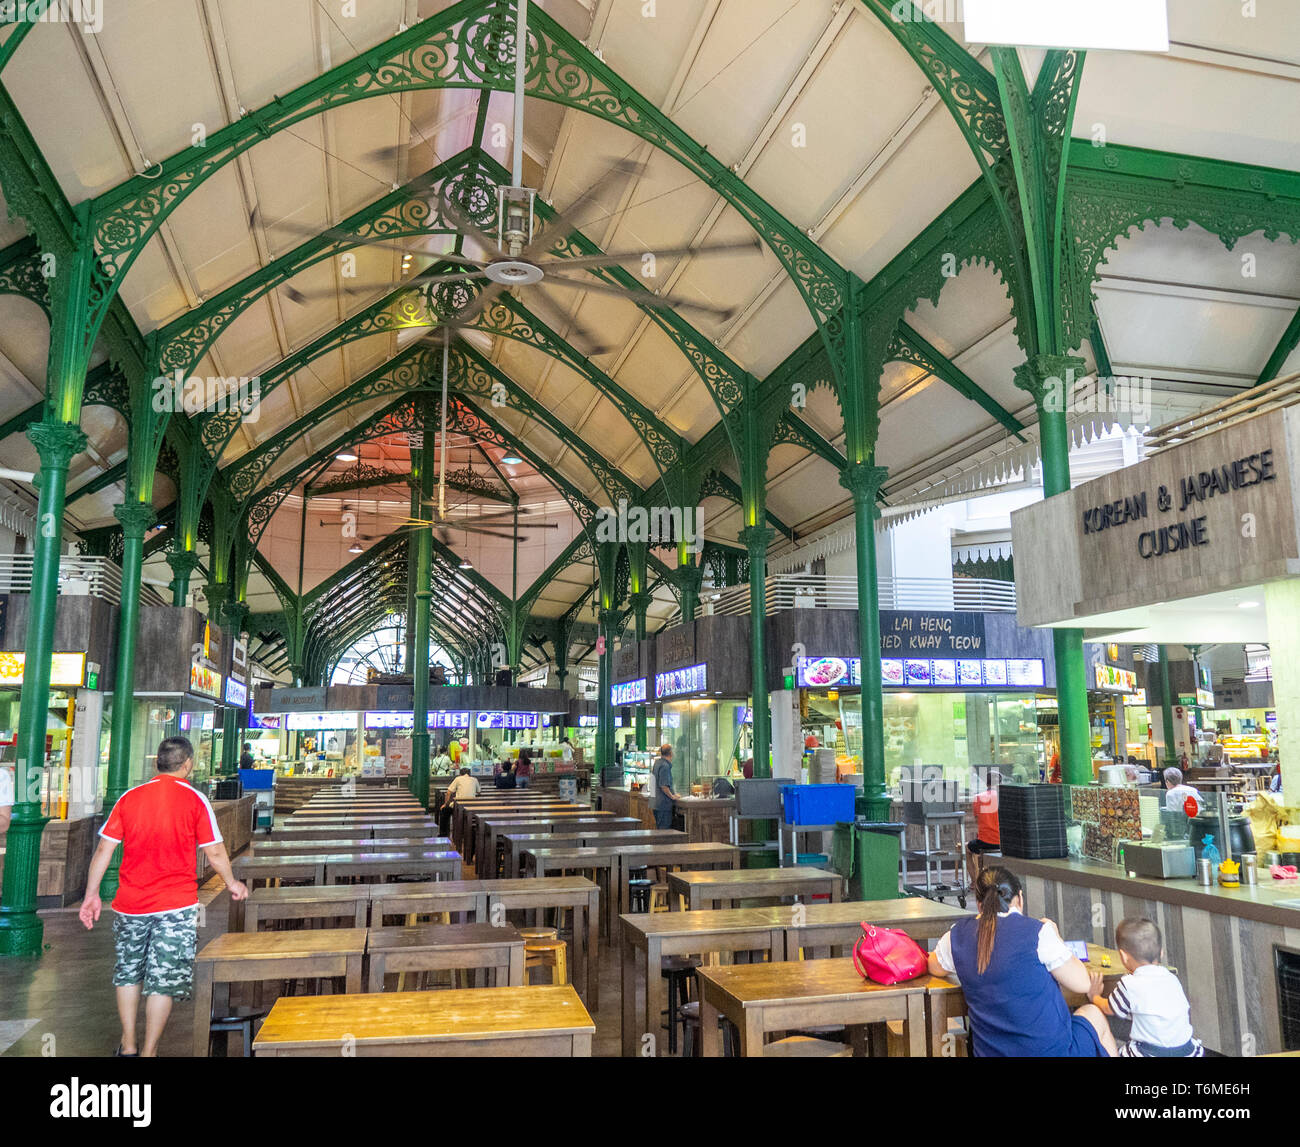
1222,940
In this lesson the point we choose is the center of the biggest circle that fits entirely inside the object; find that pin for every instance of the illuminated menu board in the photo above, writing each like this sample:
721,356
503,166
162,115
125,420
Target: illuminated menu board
678,682
628,692
923,672
508,720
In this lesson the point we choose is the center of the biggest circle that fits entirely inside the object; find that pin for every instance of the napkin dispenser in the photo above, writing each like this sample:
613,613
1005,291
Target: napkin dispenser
1169,861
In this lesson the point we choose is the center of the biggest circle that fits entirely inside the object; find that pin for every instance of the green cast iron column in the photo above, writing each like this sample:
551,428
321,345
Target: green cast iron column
418,630
183,563
756,539
232,622
136,518
863,480
689,577
408,653
604,705
1167,708
1043,376
21,929
640,604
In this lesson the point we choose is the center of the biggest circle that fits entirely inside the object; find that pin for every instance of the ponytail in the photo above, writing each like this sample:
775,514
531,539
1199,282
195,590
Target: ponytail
995,889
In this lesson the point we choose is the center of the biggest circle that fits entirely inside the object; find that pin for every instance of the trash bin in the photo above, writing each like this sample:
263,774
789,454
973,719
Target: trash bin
866,854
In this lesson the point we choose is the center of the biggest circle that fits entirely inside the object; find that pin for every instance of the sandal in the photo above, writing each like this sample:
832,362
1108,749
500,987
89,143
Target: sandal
126,1054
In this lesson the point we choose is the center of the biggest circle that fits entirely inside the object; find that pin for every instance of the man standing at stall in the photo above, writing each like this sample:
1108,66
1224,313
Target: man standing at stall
662,776
160,825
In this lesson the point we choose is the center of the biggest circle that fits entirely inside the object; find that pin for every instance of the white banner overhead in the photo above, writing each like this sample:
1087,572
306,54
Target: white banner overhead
1128,25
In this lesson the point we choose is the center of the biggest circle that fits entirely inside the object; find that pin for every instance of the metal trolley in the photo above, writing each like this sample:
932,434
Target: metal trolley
943,835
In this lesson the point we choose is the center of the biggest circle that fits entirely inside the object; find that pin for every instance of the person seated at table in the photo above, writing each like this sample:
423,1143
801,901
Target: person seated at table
505,778
1012,972
524,769
1216,755
988,836
464,787
1150,995
1176,793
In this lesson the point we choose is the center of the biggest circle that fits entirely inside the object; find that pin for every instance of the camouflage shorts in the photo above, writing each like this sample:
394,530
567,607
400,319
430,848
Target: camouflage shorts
157,949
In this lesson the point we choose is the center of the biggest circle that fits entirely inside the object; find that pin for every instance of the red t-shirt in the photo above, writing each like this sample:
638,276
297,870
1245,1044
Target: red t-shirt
985,805
161,825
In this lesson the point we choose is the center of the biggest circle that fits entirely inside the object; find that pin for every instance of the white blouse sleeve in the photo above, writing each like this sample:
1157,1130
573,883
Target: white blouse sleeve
1052,952
943,953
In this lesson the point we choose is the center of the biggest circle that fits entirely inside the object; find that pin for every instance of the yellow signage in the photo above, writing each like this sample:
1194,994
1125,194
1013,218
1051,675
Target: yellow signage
205,681
67,670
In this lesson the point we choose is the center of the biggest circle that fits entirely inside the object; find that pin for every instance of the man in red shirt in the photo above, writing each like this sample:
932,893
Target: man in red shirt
161,825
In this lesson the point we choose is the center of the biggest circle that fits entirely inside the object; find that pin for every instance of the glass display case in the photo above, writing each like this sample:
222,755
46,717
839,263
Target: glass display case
709,739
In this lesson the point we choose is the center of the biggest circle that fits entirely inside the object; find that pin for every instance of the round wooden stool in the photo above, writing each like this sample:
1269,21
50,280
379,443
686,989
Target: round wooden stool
805,1047
549,954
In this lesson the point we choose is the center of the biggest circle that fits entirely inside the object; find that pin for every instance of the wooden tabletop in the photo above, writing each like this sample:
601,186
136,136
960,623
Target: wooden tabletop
523,884
675,849
424,1017
797,981
442,936
314,894
896,913
285,945
884,913
755,877
349,844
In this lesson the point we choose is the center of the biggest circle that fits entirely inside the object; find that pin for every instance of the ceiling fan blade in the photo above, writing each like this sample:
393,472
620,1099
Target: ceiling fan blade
642,298
564,223
613,258
338,235
584,339
294,295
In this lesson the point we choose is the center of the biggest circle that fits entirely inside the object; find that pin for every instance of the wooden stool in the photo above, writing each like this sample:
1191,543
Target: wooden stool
548,954
679,971
691,1043
639,891
659,898
804,1047
531,934
239,1020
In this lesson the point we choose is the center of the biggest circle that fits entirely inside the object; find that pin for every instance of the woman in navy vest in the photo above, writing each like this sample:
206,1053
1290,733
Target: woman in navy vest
1012,972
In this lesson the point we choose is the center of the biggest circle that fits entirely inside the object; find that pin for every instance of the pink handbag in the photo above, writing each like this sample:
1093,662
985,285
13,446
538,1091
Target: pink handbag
887,956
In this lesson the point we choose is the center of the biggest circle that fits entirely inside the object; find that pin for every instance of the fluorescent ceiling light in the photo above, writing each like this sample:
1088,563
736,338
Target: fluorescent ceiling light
1127,25
345,457
1247,605
511,460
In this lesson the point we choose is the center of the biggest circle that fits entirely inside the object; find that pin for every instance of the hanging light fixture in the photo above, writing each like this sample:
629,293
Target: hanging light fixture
354,548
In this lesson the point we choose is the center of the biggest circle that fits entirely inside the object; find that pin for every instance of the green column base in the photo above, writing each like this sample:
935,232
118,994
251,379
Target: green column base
22,933
877,808
21,930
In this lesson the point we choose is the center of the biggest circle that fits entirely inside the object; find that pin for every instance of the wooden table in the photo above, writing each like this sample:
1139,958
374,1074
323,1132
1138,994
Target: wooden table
374,819
824,926
329,832
350,844
465,814
300,904
539,862
309,866
488,828
944,999
575,892
715,889
252,957
605,832
760,998
480,1022
442,947
462,898
691,855
430,864
653,935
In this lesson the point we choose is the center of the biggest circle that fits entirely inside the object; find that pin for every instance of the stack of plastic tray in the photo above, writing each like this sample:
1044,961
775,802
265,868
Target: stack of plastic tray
1031,819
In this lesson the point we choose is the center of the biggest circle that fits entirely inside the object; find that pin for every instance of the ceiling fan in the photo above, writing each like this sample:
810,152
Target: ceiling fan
516,257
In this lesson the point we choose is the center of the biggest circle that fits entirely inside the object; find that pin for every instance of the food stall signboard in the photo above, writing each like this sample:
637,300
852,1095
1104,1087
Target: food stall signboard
628,692
236,692
66,669
1112,679
451,719
302,722
913,633
296,700
922,672
678,682
205,681
508,720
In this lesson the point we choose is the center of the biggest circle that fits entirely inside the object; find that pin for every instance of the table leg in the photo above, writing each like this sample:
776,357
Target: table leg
751,1033
376,972
515,971
238,915
628,965
709,1042
914,1025
202,1006
582,1046
581,979
591,961
352,975
653,989
248,914
836,891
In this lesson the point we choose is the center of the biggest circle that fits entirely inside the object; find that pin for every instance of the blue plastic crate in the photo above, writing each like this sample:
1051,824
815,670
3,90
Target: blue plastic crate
818,804
257,780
